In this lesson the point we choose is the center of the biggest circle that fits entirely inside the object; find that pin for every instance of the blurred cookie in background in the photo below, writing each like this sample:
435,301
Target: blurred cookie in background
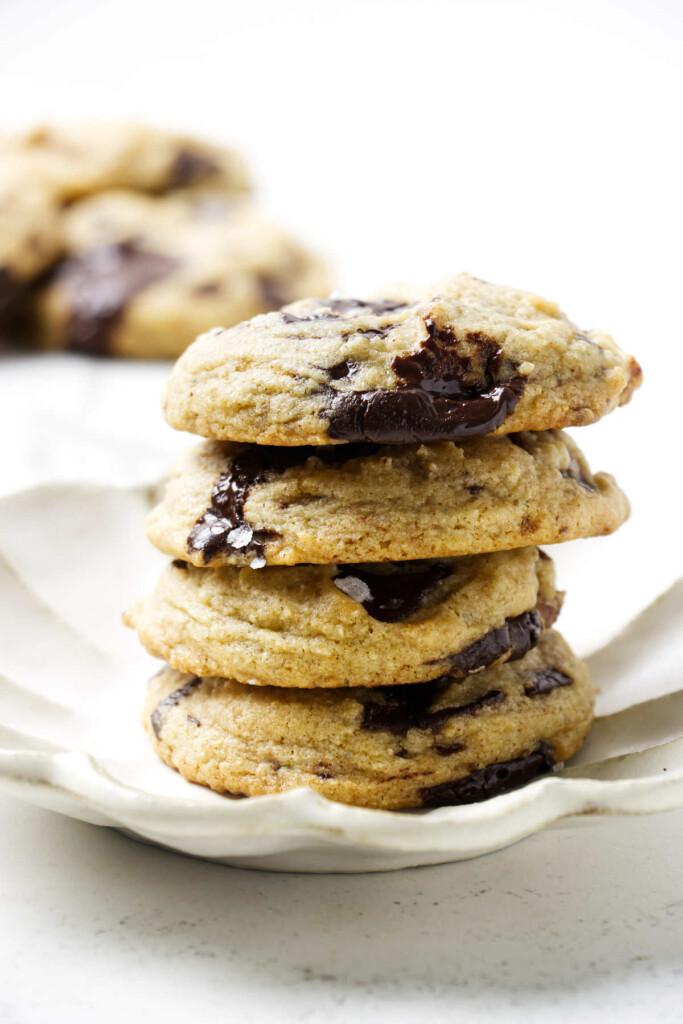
81,159
142,275
130,241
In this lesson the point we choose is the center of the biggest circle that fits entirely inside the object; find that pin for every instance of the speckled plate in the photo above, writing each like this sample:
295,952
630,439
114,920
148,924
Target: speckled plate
73,556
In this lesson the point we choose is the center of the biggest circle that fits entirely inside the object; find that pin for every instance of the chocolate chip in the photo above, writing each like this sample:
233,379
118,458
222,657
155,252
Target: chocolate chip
446,749
223,527
401,708
512,640
194,721
99,285
189,168
575,472
178,563
546,680
391,596
159,714
493,780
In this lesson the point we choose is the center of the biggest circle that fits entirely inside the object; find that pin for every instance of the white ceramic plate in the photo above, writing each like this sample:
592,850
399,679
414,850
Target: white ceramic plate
73,679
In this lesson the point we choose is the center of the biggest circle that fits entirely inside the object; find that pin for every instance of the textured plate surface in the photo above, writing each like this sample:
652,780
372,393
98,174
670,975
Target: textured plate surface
72,680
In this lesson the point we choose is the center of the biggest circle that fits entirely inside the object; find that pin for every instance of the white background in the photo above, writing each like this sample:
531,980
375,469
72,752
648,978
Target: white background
537,144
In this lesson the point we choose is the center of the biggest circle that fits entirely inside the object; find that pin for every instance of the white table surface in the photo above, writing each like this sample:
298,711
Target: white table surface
535,143
582,925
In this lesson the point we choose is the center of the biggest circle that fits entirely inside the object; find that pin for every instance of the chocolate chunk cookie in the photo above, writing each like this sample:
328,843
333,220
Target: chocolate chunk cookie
143,274
227,504
350,625
447,741
459,360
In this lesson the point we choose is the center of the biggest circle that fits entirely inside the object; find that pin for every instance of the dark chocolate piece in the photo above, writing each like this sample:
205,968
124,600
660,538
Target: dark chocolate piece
339,309
341,370
100,284
409,415
189,168
446,749
493,780
407,707
545,680
575,472
178,563
514,638
447,391
223,526
391,596
9,286
159,714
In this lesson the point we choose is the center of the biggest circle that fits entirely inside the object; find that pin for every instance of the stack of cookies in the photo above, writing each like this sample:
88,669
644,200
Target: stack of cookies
129,241
356,602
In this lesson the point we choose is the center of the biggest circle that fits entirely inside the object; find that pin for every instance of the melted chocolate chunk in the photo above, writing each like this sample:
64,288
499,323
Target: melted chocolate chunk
100,284
189,168
575,472
391,596
514,638
341,370
491,781
223,526
338,309
447,391
358,307
178,563
409,415
546,680
159,714
446,365
407,707
9,287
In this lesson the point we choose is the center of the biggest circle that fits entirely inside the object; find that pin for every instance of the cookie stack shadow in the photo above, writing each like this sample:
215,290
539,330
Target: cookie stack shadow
356,601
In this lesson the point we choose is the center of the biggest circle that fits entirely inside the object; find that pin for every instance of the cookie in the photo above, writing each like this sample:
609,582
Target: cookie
353,625
459,360
142,274
30,231
231,505
77,160
449,741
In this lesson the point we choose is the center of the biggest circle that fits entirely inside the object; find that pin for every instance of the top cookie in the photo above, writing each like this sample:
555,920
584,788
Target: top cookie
462,359
77,160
